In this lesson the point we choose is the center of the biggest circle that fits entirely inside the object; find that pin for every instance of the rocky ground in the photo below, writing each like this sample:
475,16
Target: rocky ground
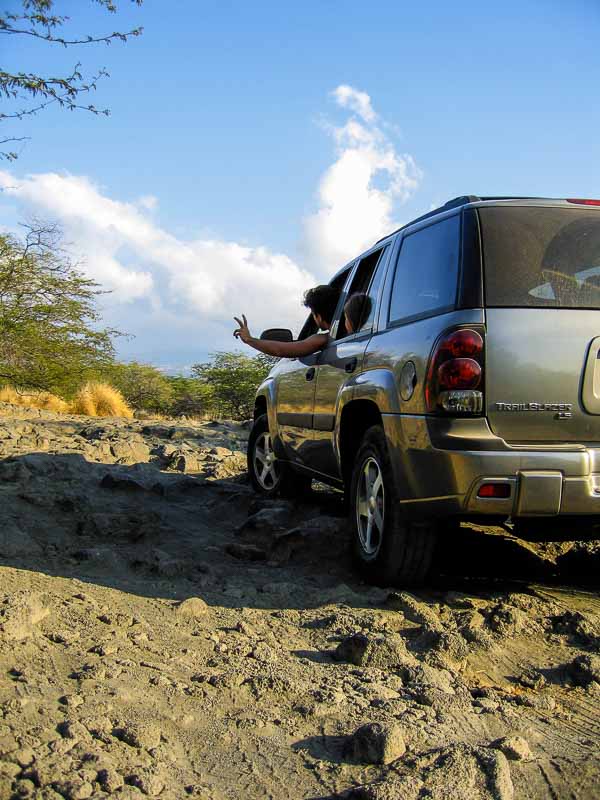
165,633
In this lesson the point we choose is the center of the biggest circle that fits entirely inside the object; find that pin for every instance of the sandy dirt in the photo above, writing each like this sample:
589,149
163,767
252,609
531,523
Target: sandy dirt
166,633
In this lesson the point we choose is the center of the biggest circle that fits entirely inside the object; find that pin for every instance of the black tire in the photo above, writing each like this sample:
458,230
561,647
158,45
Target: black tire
396,552
284,481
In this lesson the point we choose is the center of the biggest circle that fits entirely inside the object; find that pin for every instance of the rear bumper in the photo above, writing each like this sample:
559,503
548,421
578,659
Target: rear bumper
539,493
440,466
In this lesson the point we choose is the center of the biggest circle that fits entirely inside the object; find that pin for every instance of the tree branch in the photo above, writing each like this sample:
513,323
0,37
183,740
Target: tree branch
36,92
48,37
10,155
50,88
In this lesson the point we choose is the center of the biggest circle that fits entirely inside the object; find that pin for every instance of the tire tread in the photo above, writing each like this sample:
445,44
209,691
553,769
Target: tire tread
405,556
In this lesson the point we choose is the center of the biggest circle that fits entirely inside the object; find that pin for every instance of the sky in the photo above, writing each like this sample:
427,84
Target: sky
254,148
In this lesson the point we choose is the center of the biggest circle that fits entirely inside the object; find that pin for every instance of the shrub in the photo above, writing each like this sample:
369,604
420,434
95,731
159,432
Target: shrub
191,397
100,400
232,379
144,387
43,400
50,402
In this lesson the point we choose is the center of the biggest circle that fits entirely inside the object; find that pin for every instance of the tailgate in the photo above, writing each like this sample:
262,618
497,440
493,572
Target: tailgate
542,297
535,365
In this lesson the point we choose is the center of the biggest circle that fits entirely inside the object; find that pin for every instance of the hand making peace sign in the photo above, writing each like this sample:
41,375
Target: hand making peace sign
242,332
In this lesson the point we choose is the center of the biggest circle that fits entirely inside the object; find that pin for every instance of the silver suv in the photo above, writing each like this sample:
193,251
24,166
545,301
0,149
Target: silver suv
471,390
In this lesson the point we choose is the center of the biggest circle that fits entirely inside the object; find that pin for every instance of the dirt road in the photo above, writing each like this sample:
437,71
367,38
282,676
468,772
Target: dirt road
165,633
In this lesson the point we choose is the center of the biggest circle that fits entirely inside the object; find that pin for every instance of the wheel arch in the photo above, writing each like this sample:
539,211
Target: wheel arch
260,406
356,418
264,403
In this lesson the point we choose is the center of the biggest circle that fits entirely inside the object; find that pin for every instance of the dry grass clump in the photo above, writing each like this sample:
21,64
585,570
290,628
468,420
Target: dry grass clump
10,395
50,402
93,399
44,400
100,400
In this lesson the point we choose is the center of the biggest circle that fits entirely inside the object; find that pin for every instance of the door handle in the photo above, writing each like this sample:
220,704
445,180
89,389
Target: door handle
310,374
350,366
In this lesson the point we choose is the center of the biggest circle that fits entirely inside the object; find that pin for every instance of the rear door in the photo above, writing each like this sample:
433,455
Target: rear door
296,384
343,357
542,296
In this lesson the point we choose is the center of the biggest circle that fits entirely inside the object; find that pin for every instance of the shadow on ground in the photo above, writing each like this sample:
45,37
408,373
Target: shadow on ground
169,535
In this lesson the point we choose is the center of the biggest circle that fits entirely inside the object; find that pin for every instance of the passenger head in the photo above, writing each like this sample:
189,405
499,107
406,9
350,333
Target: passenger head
322,301
356,311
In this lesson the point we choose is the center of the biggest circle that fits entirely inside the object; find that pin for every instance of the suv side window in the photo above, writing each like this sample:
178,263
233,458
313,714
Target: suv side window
310,326
426,277
366,281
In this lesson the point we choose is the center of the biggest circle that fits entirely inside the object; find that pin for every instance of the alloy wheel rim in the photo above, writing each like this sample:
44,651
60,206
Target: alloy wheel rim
370,507
266,467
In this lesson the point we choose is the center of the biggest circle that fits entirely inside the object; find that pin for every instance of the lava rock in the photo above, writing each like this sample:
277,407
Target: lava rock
364,651
267,520
109,779
515,748
405,787
580,628
192,607
15,542
353,649
377,743
141,734
415,611
20,613
246,552
585,669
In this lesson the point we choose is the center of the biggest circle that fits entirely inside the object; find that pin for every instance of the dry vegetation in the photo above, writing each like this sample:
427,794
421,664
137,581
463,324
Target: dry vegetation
44,400
100,400
93,399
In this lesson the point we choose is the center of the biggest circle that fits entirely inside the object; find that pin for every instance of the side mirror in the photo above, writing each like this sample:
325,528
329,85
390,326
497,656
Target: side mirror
277,335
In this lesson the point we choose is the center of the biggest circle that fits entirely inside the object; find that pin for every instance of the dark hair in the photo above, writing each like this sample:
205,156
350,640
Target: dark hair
322,300
357,309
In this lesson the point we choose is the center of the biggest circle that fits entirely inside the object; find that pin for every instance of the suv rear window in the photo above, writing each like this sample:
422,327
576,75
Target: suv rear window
427,272
541,257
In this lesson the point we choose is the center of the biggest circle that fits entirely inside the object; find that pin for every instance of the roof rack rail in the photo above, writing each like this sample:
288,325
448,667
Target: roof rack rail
454,203
514,197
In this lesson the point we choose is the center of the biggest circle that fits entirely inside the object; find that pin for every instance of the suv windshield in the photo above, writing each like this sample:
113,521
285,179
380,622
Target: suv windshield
541,257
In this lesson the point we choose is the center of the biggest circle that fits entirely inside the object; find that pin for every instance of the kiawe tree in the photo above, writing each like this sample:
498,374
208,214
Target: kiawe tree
50,337
233,379
144,387
26,93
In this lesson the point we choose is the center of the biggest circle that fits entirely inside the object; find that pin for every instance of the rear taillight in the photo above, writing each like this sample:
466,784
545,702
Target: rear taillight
459,373
582,202
455,376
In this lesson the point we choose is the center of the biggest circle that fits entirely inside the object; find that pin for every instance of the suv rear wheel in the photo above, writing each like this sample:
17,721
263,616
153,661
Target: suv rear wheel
270,476
389,549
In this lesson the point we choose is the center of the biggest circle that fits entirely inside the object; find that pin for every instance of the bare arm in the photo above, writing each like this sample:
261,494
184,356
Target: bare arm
289,349
281,349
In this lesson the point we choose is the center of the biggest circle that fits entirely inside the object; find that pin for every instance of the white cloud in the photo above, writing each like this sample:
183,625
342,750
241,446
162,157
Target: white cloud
197,280
359,191
359,102
178,295
148,201
96,225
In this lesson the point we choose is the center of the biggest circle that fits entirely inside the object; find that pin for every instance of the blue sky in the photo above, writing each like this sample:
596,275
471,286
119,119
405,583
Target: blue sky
234,172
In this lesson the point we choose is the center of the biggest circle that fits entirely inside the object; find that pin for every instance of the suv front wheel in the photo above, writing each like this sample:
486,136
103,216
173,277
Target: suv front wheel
389,549
268,475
